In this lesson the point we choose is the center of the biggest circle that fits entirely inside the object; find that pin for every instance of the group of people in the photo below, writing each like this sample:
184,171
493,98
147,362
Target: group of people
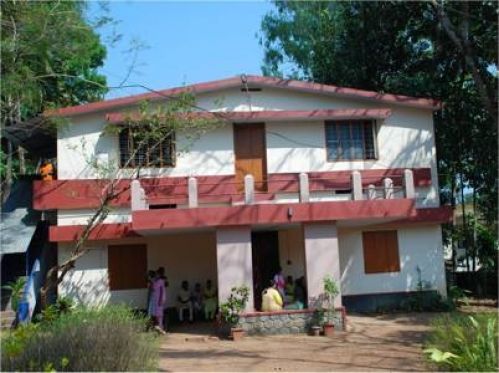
198,303
284,293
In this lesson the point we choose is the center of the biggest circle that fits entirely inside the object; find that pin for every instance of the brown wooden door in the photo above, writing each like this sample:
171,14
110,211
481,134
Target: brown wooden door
251,155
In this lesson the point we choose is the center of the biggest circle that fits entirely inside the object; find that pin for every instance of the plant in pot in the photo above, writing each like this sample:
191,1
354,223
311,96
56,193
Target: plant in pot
232,309
331,291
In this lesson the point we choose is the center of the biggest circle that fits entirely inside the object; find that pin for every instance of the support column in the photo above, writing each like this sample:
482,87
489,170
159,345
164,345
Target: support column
234,262
321,259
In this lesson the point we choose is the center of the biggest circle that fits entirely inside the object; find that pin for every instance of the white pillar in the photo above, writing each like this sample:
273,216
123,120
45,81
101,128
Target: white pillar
249,189
357,186
321,259
193,192
234,262
371,191
137,196
304,188
388,188
410,191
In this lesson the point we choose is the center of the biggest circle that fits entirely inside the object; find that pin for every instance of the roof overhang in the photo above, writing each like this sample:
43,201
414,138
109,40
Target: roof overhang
251,82
271,115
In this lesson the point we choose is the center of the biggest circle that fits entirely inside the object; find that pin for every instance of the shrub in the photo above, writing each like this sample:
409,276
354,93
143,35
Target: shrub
331,291
235,304
16,289
112,338
464,343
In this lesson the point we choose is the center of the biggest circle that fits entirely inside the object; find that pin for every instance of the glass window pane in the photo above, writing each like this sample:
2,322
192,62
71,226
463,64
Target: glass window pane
345,141
369,140
357,141
332,142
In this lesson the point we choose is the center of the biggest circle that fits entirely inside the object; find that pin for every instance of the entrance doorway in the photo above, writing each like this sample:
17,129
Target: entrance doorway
251,154
265,258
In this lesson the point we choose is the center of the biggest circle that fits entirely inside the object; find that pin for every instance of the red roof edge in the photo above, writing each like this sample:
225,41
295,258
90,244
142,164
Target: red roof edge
252,80
269,115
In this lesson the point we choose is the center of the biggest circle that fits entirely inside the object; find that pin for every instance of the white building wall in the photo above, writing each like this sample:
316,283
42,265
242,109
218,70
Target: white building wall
418,247
190,257
405,139
80,217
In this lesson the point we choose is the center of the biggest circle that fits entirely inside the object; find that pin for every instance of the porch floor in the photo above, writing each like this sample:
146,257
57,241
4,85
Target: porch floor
385,342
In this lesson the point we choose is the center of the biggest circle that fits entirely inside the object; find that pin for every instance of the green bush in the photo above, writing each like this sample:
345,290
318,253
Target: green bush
16,289
112,338
234,305
464,343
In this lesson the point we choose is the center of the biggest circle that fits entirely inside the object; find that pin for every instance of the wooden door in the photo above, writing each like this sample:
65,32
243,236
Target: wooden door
251,155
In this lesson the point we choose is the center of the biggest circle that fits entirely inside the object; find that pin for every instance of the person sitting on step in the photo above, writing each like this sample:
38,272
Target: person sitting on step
184,299
271,299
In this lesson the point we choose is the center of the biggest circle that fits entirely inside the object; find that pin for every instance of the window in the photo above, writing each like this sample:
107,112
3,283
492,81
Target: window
381,252
347,140
151,154
127,266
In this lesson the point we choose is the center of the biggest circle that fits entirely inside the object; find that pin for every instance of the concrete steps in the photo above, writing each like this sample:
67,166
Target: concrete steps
7,318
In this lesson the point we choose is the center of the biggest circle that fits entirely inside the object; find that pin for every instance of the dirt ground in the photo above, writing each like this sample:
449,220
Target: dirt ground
385,342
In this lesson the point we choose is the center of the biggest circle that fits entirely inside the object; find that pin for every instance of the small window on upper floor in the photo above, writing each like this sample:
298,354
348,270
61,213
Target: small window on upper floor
151,154
350,140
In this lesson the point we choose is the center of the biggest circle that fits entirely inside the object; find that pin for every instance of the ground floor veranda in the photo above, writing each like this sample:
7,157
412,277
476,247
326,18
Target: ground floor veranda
235,256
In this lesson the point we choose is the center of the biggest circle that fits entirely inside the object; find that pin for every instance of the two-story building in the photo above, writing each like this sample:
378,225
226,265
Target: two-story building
319,180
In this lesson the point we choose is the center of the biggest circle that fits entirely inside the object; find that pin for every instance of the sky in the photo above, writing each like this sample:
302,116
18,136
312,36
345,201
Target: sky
187,42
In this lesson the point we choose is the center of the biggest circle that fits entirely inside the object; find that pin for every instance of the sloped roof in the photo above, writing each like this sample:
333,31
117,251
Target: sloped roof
252,81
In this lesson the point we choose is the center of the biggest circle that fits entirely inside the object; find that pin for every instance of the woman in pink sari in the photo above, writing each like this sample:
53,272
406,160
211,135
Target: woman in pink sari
159,298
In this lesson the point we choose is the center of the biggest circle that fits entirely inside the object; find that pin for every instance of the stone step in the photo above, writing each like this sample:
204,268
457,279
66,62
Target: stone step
7,319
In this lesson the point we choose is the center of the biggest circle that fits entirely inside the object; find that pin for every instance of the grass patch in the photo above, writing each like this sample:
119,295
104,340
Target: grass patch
111,338
462,342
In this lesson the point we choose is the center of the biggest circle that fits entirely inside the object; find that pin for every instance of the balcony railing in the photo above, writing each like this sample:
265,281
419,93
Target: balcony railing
282,191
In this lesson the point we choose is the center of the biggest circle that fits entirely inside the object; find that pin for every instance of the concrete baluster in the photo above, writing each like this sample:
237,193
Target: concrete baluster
371,192
388,188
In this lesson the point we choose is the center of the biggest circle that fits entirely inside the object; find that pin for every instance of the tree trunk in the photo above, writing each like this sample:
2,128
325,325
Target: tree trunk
21,153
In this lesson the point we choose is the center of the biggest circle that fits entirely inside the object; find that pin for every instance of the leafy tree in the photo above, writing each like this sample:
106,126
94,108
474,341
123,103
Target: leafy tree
445,50
50,56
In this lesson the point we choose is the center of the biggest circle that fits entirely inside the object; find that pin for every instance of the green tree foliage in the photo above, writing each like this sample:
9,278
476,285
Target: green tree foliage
50,55
444,50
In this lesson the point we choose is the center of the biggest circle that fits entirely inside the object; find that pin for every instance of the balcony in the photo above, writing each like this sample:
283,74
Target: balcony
157,205
290,198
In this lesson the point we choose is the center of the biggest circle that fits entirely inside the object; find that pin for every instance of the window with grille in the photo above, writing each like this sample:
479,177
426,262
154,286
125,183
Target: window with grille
152,153
350,140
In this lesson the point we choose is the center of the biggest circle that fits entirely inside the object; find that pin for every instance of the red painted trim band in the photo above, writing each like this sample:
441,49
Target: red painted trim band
270,214
253,81
116,231
71,233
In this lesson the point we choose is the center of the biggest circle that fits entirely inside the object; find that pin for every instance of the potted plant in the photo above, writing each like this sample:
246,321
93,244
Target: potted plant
232,309
331,291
